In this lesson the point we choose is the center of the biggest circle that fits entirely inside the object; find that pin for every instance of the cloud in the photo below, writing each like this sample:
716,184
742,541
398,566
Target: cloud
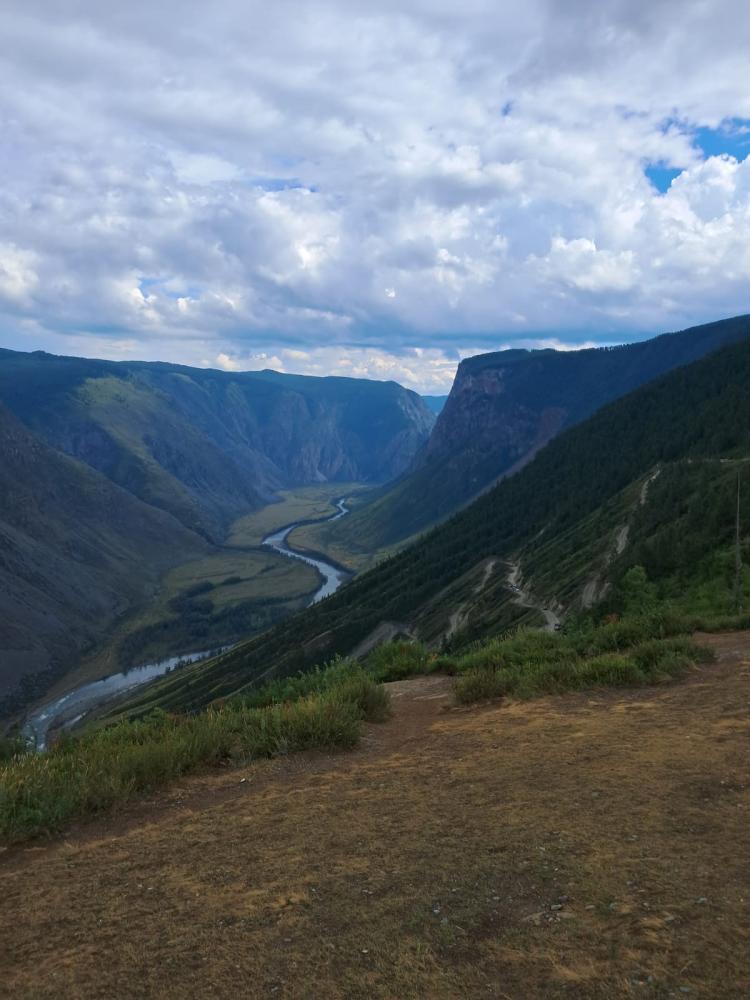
360,182
427,370
17,275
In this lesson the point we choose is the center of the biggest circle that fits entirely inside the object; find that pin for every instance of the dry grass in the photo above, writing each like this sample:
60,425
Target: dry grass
424,865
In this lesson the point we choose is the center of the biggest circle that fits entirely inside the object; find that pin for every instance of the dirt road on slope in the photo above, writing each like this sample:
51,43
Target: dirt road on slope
525,599
591,846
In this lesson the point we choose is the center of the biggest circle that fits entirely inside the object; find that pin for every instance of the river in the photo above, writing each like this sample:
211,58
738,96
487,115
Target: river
65,712
333,577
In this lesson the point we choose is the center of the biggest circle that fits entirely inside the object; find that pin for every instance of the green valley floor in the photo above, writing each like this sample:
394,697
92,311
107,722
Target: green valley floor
591,845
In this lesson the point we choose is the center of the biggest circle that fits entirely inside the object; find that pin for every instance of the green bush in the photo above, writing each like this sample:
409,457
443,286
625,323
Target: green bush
395,661
482,685
12,746
300,685
607,670
530,664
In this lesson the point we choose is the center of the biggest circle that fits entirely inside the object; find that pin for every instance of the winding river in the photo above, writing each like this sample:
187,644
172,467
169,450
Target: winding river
65,712
332,575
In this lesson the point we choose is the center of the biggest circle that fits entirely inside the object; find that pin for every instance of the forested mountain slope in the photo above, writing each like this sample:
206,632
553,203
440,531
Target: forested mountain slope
206,445
696,413
75,551
502,409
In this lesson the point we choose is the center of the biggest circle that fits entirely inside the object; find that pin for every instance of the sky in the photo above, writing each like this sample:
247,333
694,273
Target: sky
369,189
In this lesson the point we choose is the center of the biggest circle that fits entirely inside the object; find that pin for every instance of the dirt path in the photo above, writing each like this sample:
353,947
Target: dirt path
525,599
591,846
596,587
460,616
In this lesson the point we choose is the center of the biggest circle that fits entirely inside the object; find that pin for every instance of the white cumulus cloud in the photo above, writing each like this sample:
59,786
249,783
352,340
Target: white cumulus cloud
379,188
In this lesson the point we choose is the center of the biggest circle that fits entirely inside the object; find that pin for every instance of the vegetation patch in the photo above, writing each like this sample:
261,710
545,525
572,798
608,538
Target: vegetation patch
395,661
40,793
532,664
529,663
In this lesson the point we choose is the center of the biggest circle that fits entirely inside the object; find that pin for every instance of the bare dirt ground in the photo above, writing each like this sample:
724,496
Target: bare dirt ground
587,846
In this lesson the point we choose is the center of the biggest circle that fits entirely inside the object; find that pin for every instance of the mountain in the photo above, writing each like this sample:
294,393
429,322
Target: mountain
661,462
75,551
113,473
503,408
435,403
207,446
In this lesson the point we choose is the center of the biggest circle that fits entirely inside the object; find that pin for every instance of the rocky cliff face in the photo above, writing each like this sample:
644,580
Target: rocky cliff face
486,431
503,408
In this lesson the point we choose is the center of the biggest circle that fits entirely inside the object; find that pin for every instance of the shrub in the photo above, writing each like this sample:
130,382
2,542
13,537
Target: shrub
617,654
12,746
607,670
395,661
482,685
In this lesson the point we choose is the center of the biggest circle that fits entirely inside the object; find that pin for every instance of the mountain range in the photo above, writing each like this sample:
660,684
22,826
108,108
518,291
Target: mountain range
648,480
207,445
111,473
115,472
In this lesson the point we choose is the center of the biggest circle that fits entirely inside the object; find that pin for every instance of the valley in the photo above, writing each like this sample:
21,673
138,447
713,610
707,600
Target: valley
128,479
236,586
247,582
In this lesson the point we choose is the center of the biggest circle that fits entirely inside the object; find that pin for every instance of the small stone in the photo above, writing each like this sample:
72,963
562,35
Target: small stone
365,951
701,899
589,906
243,780
556,906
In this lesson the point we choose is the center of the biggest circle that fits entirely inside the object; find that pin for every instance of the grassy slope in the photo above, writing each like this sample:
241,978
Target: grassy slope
43,792
103,766
571,846
75,552
700,410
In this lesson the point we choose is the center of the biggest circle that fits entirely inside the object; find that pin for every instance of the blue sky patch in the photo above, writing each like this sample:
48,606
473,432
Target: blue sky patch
731,137
660,176
146,285
279,183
